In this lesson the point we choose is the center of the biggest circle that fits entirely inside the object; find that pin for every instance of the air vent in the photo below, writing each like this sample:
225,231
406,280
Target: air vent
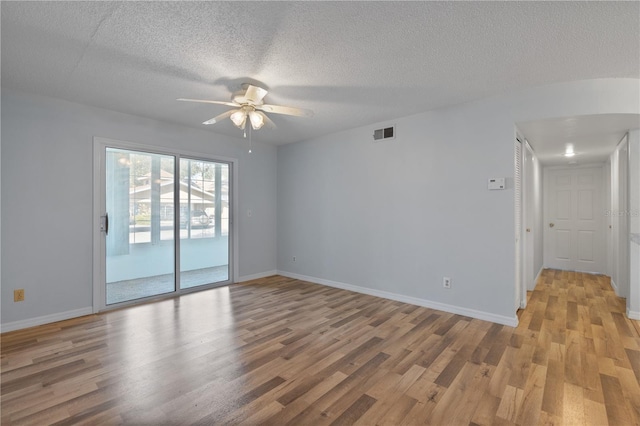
386,133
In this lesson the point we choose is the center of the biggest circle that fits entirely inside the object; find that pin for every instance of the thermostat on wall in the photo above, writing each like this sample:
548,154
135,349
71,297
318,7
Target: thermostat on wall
496,183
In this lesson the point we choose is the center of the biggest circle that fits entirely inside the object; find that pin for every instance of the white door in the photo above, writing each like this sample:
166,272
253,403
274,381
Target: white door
574,210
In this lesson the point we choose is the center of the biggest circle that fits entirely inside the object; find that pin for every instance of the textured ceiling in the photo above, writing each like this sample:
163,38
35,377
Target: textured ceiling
353,63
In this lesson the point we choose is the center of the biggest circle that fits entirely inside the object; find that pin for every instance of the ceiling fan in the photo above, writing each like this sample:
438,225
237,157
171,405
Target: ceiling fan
249,104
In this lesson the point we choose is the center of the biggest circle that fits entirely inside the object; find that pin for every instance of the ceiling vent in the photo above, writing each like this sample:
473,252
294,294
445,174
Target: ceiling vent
386,133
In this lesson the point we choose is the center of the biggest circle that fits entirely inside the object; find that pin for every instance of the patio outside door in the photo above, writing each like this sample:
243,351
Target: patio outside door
162,234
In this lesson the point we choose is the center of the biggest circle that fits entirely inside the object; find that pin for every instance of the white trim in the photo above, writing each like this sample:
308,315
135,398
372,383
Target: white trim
634,315
46,319
519,222
615,286
234,192
481,315
98,265
535,283
256,276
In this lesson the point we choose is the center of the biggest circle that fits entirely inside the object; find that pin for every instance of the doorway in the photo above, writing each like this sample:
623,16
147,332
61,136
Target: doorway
164,224
528,195
574,237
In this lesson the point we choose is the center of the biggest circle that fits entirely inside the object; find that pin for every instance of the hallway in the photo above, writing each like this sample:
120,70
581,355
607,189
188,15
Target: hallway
575,326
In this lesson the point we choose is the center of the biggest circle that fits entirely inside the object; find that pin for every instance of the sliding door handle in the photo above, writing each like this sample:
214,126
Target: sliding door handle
104,223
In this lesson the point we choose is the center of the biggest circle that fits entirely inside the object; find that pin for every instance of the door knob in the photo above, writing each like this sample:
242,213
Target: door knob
551,225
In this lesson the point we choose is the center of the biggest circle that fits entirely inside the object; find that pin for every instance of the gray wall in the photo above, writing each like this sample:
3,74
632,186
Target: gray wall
401,214
397,216
47,174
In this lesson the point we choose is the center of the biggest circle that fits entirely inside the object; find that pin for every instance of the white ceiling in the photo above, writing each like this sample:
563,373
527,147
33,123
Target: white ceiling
353,63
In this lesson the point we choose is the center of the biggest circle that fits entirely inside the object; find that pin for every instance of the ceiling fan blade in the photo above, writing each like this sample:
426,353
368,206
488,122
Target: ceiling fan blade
220,117
267,121
255,94
279,109
204,101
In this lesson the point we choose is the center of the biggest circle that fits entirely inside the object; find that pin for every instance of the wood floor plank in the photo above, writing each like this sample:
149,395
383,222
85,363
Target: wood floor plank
532,396
617,411
510,404
631,391
485,413
355,411
279,351
397,413
390,389
595,413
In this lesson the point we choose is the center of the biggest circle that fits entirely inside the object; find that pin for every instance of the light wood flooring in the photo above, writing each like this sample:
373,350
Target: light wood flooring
281,351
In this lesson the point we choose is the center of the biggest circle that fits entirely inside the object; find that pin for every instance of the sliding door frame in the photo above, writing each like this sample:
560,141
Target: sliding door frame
100,145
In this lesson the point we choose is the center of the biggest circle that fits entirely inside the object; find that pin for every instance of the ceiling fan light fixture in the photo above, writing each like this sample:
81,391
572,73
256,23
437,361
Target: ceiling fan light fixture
239,118
249,103
257,120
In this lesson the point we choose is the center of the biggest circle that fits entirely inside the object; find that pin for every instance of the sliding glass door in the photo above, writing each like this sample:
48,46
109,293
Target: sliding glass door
161,234
139,240
204,222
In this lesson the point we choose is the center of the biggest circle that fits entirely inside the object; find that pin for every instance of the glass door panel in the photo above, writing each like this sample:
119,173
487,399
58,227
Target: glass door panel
204,222
140,249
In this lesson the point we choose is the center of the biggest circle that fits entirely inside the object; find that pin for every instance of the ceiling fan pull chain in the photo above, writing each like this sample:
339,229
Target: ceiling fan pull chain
250,140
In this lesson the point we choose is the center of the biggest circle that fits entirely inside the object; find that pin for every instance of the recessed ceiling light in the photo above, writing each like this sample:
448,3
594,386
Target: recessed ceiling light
569,150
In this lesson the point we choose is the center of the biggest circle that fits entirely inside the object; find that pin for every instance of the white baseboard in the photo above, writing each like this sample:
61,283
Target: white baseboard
485,316
615,287
256,276
32,322
634,315
535,282
481,315
46,319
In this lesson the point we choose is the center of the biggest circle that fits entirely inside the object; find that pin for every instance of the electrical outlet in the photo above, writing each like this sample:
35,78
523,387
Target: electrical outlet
294,258
18,295
446,282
